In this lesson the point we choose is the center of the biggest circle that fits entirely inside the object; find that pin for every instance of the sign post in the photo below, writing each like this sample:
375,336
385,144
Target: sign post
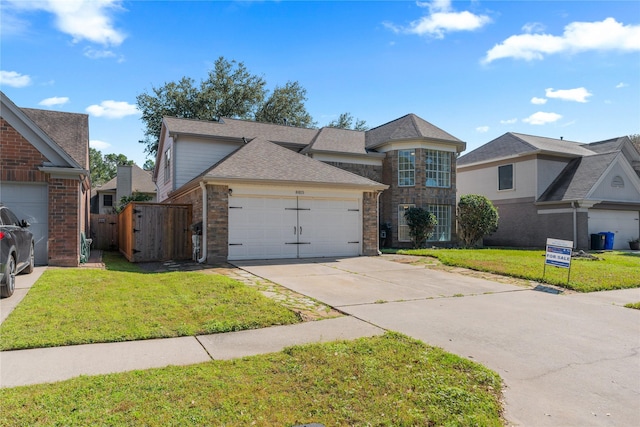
558,254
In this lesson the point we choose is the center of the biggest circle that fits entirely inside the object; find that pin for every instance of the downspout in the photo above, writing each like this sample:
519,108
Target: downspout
575,225
205,229
378,228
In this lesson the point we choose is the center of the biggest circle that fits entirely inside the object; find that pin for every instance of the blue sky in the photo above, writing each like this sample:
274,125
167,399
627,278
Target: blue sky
476,69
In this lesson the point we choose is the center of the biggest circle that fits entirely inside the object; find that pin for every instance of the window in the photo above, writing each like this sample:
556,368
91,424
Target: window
167,165
406,168
442,231
438,168
403,228
107,200
505,177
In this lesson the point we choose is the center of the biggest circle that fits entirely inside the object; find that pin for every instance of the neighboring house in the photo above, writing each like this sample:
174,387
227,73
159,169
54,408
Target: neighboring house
44,177
552,188
274,191
130,179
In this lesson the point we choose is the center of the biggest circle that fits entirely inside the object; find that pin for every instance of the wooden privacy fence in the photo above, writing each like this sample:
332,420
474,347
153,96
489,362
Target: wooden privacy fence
104,232
155,232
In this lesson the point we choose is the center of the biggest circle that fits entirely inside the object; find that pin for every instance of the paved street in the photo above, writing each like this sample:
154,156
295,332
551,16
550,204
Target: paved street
567,360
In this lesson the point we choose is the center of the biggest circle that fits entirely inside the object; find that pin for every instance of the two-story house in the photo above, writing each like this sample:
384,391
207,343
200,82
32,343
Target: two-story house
130,179
553,188
272,191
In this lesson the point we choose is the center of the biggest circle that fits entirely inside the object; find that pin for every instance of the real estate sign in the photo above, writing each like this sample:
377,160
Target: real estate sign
559,253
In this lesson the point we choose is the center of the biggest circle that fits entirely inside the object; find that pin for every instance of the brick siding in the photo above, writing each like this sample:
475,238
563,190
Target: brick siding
217,227
420,195
370,224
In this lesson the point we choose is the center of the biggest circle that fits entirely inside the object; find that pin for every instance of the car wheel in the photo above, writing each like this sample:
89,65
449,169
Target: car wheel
32,261
9,285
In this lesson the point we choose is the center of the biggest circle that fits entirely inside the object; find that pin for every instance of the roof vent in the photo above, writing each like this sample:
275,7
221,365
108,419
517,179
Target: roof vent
244,139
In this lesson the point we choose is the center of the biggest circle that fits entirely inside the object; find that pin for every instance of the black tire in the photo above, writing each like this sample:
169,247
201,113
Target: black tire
9,280
32,261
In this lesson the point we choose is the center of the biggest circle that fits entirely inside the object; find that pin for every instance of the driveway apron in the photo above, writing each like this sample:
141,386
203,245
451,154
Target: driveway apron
566,360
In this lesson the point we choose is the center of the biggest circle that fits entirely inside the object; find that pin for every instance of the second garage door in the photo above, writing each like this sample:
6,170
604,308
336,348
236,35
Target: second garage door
624,224
293,227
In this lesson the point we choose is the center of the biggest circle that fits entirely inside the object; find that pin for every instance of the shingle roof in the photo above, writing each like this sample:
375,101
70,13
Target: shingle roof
265,161
513,144
578,178
142,182
69,130
407,127
233,128
338,140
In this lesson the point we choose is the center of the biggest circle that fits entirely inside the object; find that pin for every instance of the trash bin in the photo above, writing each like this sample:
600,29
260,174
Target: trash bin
608,240
597,242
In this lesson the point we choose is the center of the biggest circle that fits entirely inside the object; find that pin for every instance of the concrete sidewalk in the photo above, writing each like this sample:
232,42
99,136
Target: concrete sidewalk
43,365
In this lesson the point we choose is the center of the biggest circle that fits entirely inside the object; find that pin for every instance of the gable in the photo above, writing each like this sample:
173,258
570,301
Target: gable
263,161
619,183
594,178
42,142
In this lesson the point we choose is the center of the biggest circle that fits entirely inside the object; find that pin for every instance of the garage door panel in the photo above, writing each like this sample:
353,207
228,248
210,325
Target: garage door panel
624,224
263,227
30,202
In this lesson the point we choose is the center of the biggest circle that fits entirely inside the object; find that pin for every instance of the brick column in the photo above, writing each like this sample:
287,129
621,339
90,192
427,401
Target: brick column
370,223
217,227
64,229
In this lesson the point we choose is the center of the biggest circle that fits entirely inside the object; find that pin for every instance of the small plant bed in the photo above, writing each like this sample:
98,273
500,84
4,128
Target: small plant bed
611,270
635,305
81,306
390,380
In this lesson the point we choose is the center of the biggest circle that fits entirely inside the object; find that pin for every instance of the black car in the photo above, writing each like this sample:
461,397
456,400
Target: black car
16,250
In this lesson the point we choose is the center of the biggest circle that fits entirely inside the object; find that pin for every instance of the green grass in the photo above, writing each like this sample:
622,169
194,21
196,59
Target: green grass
635,305
389,380
79,306
614,270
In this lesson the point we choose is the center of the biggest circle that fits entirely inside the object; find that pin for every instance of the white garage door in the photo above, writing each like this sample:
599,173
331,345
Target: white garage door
30,202
267,228
624,224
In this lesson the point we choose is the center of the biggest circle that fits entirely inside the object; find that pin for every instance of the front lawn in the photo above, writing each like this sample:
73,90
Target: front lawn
80,306
390,380
613,270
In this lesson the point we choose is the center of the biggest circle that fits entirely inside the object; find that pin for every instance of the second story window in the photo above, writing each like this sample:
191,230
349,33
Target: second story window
505,177
438,168
167,165
406,168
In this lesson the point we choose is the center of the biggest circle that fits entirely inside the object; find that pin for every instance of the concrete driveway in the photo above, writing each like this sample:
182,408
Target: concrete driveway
566,360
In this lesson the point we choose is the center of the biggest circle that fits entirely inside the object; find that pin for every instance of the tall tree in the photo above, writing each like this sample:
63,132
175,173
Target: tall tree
104,168
347,121
229,90
286,106
635,140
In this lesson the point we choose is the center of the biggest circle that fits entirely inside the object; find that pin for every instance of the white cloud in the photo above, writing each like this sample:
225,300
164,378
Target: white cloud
621,85
533,27
98,53
112,109
538,101
577,37
579,94
508,121
541,118
56,100
14,79
441,19
482,129
99,145
90,20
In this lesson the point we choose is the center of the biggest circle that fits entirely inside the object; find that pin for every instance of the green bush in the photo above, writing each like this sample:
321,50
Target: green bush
421,223
477,217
